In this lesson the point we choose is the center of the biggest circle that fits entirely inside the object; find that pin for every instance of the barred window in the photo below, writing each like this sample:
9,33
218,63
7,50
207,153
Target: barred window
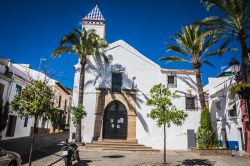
190,102
171,81
218,106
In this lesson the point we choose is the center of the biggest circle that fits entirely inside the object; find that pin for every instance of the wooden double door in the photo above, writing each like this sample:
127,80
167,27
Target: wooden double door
115,121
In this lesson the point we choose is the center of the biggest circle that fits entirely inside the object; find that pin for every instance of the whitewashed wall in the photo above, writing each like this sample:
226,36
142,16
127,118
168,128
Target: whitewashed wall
218,90
22,76
147,74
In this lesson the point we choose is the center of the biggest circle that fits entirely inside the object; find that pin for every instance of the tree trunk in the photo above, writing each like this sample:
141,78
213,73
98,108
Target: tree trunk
33,140
80,98
242,37
164,157
200,88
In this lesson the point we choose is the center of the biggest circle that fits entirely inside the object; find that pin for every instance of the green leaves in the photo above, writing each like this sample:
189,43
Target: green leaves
78,113
164,111
236,12
205,135
83,43
173,59
55,116
194,43
34,100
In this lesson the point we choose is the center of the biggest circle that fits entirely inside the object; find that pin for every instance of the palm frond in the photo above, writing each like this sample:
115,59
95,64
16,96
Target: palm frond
208,63
225,43
61,50
173,59
220,51
83,43
177,49
71,39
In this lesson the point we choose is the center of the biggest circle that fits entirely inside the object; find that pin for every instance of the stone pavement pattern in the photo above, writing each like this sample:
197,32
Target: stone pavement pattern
174,158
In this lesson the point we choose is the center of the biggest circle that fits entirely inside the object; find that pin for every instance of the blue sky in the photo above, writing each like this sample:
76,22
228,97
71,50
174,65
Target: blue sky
31,29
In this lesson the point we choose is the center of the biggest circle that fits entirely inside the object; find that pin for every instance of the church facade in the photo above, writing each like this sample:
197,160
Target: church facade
116,94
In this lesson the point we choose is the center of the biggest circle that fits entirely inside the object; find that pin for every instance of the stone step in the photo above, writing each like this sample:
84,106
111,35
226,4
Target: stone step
114,143
116,140
117,146
133,150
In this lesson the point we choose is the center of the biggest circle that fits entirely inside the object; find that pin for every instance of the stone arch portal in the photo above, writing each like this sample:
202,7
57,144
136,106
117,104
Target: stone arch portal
115,115
115,121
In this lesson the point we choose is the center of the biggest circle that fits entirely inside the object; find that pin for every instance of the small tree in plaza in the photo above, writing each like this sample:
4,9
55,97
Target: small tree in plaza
78,113
35,100
205,135
163,110
55,117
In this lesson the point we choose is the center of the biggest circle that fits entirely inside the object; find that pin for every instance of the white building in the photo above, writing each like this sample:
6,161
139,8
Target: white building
14,77
116,93
225,112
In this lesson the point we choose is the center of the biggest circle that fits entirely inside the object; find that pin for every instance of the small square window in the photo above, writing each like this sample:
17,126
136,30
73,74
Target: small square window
171,81
18,88
218,106
26,121
232,113
190,102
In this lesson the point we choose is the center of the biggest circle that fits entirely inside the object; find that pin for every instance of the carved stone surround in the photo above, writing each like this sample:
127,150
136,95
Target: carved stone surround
127,98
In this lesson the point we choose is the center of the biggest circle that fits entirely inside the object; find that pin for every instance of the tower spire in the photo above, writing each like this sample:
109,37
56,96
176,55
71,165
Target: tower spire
95,20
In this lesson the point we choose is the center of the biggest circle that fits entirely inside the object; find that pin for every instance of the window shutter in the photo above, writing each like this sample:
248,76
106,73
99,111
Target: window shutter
175,81
116,82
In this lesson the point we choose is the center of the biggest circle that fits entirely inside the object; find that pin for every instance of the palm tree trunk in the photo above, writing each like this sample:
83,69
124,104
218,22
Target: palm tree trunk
80,98
33,140
242,37
164,157
200,88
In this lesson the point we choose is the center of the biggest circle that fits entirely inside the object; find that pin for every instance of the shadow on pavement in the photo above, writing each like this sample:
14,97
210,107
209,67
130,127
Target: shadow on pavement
113,156
83,163
44,152
197,162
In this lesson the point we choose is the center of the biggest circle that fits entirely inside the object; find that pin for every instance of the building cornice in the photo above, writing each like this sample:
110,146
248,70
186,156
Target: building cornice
173,71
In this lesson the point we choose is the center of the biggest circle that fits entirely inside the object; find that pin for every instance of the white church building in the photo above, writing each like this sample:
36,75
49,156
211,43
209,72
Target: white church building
116,93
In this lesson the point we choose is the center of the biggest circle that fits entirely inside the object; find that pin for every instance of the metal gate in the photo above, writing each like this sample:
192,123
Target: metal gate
115,121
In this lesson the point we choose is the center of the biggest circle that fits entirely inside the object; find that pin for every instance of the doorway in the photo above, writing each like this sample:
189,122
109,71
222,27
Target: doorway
11,126
191,139
115,121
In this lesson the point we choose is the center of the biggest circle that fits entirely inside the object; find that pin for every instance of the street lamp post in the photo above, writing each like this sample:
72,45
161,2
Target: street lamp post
234,66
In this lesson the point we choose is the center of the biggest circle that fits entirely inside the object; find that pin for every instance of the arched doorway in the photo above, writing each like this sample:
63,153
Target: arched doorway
115,122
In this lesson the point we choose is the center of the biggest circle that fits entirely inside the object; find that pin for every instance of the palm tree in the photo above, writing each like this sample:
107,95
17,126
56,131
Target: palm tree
84,44
192,46
236,24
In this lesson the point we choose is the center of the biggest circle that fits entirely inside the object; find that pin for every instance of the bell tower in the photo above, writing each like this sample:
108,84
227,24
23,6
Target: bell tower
95,20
